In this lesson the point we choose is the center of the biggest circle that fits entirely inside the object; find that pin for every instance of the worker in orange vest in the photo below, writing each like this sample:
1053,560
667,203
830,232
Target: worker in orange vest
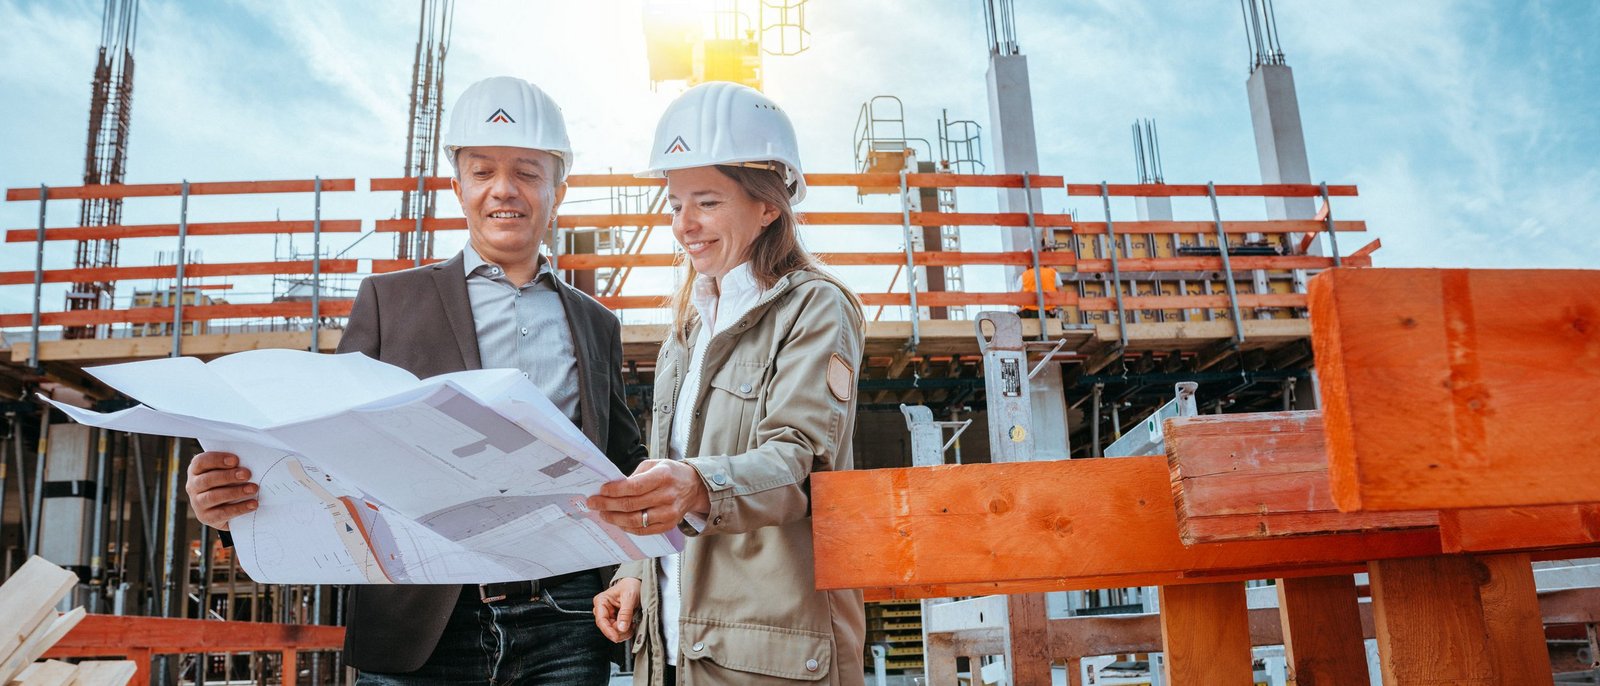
1033,280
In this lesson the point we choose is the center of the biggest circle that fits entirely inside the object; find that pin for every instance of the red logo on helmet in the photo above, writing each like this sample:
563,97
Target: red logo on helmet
677,146
500,117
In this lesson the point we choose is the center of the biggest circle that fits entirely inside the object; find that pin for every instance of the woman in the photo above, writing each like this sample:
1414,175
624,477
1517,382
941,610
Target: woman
755,389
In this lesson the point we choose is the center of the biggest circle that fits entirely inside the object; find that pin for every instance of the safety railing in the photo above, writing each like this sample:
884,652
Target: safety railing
1112,270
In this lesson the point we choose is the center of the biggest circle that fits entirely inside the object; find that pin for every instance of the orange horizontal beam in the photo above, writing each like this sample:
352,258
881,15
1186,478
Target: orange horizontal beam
386,266
1174,302
1520,528
839,259
153,190
1071,521
1458,388
880,180
91,233
330,307
924,299
169,271
1261,475
110,635
1232,228
1214,264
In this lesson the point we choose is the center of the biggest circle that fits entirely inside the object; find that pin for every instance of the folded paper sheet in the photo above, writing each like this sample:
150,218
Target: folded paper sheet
369,475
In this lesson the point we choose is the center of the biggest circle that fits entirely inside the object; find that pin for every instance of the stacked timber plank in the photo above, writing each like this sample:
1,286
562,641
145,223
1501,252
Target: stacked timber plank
31,627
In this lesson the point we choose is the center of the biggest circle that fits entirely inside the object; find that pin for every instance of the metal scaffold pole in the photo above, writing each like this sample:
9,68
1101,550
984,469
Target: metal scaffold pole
38,280
316,262
97,538
38,479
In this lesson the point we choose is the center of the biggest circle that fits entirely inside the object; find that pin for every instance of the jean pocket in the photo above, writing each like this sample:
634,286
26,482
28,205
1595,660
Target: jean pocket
571,604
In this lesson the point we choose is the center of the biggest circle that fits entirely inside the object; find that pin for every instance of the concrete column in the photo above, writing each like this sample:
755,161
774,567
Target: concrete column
1281,149
1016,149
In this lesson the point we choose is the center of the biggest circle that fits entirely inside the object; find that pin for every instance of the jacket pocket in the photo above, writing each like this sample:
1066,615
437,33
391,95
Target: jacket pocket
731,407
729,653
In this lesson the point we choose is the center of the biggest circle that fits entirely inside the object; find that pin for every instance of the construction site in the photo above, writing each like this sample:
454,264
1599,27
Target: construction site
1206,441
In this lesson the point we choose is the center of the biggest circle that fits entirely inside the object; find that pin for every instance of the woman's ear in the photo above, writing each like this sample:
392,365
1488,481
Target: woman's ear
769,214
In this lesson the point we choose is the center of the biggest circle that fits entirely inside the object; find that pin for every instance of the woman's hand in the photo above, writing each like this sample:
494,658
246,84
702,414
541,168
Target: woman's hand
654,499
219,489
615,607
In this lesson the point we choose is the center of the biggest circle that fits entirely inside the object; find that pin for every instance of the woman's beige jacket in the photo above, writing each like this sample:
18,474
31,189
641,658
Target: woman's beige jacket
777,403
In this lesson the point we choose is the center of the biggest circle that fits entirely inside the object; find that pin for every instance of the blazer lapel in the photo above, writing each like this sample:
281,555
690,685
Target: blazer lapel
450,280
584,345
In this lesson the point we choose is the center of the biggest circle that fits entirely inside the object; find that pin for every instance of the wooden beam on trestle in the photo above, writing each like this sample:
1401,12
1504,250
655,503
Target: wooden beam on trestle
1543,527
1058,525
1261,475
1457,388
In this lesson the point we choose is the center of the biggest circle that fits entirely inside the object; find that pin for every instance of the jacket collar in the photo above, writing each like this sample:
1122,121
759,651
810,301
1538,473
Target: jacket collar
450,280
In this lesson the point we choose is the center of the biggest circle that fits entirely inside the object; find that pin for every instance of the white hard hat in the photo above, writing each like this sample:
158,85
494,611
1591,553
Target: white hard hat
507,111
726,123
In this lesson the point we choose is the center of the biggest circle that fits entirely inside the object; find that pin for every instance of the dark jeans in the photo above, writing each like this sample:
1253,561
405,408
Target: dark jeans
552,640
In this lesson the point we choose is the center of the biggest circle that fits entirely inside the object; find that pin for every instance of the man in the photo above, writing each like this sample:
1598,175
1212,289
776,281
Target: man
1032,282
496,304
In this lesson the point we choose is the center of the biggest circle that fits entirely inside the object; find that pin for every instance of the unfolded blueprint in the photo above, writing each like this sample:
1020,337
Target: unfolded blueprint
369,475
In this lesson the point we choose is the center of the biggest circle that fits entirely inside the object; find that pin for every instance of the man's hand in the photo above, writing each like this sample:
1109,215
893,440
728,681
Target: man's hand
654,499
219,489
615,609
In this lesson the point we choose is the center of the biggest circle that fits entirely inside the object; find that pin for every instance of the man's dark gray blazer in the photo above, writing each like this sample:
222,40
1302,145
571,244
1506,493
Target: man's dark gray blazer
421,320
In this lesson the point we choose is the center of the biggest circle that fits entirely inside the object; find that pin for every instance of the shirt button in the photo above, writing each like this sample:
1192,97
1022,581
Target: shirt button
525,375
698,647
524,330
811,665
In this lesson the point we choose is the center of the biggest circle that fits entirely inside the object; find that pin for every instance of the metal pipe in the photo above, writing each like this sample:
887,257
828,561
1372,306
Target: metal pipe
1033,247
1116,272
911,266
147,518
22,494
316,262
170,557
416,252
38,478
38,283
97,538
11,423
1333,236
1094,421
177,286
1227,269
203,598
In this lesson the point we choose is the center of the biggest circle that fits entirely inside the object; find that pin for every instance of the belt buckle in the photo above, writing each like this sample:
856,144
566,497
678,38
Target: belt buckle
485,598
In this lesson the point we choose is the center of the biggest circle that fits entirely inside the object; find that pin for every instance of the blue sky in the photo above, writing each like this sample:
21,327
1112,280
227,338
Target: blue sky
1470,125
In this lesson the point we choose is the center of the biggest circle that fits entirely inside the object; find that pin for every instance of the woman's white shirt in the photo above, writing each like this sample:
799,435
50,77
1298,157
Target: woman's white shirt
718,310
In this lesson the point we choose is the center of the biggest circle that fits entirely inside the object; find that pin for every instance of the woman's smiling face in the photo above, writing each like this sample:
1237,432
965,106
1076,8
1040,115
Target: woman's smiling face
714,219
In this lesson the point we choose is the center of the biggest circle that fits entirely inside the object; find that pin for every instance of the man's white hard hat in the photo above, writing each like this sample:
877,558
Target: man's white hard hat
726,123
507,111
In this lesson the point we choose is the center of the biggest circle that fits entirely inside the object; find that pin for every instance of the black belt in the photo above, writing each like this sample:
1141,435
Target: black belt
524,590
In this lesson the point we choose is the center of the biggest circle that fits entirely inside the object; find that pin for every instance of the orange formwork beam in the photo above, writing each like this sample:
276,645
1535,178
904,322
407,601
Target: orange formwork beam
1455,389
1261,475
330,307
157,190
1069,524
140,638
119,231
1543,527
192,271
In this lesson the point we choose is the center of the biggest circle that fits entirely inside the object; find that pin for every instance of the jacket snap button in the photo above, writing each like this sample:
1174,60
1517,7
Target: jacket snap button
717,520
744,388
811,665
699,647
719,479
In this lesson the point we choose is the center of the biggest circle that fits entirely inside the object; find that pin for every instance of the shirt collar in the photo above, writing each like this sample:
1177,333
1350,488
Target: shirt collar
473,263
738,285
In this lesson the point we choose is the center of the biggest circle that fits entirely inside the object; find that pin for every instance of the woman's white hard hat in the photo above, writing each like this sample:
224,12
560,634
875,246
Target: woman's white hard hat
727,123
510,112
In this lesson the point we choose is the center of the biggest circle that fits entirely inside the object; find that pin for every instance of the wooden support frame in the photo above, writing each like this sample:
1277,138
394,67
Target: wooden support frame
1205,634
1323,634
1510,359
